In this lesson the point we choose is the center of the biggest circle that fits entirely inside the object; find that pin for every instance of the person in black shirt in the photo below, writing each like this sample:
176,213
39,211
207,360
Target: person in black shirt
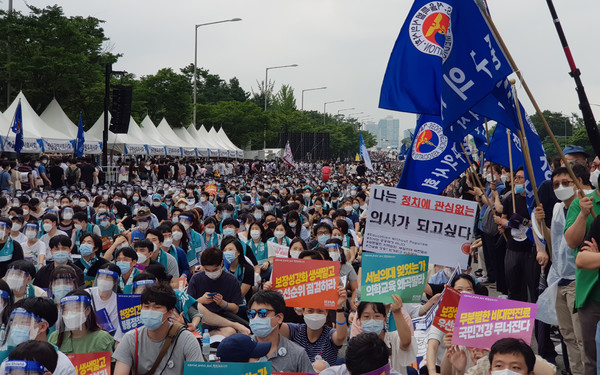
158,209
57,175
87,173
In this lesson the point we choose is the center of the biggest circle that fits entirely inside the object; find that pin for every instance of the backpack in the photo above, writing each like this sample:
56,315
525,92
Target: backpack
71,175
488,225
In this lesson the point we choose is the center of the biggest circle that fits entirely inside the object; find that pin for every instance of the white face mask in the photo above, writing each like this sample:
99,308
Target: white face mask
209,231
504,372
16,227
74,320
141,258
144,225
104,285
279,234
78,226
255,234
295,254
335,256
168,242
315,321
47,227
177,236
213,275
30,234
594,178
564,193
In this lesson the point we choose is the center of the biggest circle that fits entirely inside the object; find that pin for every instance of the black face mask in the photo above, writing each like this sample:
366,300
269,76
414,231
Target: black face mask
272,225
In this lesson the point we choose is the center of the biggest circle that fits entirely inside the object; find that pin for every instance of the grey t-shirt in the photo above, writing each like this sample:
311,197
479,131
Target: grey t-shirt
290,357
186,349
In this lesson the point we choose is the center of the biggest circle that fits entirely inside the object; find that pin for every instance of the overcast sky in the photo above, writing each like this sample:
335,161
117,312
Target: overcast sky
341,44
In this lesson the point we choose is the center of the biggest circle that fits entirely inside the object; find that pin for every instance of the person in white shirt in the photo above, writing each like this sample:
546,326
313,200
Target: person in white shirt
50,221
33,248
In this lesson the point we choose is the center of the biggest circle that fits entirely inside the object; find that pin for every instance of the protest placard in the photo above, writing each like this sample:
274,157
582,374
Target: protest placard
220,368
386,274
91,363
307,282
277,250
410,222
482,320
446,312
129,307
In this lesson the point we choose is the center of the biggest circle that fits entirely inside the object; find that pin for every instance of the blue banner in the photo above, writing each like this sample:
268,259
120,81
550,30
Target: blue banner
433,160
129,307
17,128
80,139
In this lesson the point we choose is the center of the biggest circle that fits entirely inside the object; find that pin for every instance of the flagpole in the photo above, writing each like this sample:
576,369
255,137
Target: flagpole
512,175
487,132
532,99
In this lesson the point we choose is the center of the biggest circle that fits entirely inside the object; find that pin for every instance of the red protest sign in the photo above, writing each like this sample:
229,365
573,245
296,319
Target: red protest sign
307,282
91,363
446,312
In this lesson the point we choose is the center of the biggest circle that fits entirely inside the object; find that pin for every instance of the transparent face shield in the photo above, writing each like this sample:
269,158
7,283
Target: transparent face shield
22,326
74,311
16,280
106,281
17,367
140,285
31,230
61,286
4,300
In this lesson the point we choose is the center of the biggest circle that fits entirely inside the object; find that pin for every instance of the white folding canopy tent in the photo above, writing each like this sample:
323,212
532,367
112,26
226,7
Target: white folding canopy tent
212,133
214,148
173,141
238,152
156,147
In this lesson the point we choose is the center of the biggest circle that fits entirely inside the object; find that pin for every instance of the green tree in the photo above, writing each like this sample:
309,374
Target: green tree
284,100
47,54
165,94
211,88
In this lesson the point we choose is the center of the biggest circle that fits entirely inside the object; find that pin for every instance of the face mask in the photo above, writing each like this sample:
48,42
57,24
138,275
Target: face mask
67,216
268,207
335,256
503,178
209,231
25,212
104,223
564,193
156,204
258,216
2,234
151,319
30,234
47,227
135,199
202,199
348,209
489,178
16,227
213,275
295,254
293,224
78,226
86,249
315,321
15,282
144,225
261,326
255,234
594,178
323,239
60,256
318,207
186,225
59,291
229,256
18,334
355,206
141,258
181,206
82,204
226,215
279,234
104,285
227,232
177,236
372,326
74,320
168,242
124,266
519,189
504,372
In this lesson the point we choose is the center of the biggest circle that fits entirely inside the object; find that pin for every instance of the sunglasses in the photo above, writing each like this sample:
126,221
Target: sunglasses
262,313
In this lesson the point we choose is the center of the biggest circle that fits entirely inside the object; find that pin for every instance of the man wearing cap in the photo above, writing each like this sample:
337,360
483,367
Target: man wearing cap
144,220
158,209
241,348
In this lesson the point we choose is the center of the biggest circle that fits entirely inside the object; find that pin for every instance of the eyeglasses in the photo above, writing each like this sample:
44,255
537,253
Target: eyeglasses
262,313
557,184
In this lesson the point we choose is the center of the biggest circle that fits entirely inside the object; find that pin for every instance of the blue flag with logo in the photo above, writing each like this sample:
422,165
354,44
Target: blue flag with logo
17,128
433,160
80,139
445,60
365,153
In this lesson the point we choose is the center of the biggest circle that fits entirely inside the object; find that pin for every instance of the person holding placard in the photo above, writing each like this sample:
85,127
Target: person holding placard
279,236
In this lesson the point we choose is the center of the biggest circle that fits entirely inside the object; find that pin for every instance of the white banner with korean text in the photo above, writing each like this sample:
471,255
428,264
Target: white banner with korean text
410,222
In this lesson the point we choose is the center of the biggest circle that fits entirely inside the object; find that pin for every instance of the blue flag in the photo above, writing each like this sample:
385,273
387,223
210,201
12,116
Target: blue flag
365,153
17,128
445,60
79,149
433,160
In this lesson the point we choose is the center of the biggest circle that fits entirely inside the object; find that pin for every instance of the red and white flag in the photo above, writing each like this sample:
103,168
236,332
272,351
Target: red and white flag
288,158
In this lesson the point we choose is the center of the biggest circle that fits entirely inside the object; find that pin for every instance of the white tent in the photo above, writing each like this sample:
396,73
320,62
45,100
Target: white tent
155,145
214,148
184,135
56,118
130,143
212,133
173,141
201,144
238,152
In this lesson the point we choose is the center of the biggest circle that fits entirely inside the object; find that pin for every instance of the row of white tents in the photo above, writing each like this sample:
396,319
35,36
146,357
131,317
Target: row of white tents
54,132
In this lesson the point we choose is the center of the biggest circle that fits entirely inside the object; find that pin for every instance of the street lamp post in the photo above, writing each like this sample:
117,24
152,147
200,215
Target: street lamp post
196,56
316,88
325,108
345,109
267,95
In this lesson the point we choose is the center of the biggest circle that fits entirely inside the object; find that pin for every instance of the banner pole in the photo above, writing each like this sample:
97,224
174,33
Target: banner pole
512,174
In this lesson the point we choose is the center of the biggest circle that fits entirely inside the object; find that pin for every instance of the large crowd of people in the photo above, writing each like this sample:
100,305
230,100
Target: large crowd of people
191,237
